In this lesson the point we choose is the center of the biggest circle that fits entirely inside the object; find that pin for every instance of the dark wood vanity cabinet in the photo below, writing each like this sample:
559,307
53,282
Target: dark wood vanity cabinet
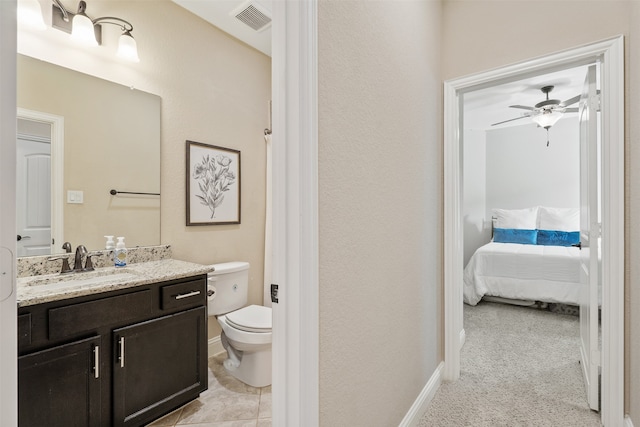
64,377
119,358
171,345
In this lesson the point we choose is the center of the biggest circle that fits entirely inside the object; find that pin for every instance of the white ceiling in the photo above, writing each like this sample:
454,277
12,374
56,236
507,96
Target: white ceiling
491,105
220,14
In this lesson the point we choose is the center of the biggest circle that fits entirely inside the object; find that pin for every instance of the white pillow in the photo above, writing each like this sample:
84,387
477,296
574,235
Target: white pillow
523,219
560,219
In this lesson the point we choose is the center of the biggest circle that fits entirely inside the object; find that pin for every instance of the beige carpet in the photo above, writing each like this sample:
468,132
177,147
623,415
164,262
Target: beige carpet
520,367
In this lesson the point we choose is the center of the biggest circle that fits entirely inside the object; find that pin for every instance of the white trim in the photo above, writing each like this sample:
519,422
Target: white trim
612,99
627,421
611,52
295,345
453,249
34,138
8,306
463,338
419,407
214,346
57,168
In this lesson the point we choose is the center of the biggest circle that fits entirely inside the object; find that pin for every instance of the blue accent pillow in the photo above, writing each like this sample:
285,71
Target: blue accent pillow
558,238
515,235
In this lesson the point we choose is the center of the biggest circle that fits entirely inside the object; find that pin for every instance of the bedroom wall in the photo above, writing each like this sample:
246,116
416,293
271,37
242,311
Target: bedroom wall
512,168
505,29
474,193
380,186
523,172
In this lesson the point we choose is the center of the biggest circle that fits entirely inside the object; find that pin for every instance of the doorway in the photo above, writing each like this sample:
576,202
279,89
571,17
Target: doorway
33,192
518,173
55,137
610,53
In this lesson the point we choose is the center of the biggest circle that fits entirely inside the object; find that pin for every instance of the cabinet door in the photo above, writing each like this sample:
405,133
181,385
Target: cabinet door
60,386
159,365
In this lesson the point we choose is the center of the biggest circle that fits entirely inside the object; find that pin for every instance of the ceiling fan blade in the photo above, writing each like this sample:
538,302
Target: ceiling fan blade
570,101
571,110
524,107
510,120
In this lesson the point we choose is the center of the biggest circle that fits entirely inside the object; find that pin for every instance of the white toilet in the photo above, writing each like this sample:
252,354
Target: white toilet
246,331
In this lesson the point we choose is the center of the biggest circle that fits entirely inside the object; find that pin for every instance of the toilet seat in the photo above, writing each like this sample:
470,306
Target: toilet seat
253,318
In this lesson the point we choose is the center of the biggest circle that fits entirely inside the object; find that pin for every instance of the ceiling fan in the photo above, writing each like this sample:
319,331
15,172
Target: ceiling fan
545,113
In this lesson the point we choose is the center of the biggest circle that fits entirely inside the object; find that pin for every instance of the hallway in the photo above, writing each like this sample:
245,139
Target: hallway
520,367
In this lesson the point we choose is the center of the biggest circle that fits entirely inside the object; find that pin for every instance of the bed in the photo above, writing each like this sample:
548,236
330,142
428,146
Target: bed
522,262
523,272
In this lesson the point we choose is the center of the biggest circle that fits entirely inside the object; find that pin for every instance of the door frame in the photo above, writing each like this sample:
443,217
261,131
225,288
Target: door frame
295,346
8,306
611,54
57,167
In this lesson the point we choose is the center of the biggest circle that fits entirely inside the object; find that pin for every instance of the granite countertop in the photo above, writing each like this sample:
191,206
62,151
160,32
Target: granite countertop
54,287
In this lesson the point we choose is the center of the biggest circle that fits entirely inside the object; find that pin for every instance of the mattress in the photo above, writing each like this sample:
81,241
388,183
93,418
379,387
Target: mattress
525,272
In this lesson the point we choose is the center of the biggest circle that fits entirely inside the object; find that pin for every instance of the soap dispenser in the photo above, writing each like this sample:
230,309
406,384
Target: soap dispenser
110,245
120,255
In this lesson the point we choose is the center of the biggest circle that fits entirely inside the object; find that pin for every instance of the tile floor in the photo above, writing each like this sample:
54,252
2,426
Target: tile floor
227,403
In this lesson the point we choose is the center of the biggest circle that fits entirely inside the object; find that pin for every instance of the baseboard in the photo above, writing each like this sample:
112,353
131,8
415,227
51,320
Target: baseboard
463,338
627,421
214,346
425,397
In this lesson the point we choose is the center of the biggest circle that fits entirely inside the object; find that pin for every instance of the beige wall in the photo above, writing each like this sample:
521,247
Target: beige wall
380,214
380,168
111,140
481,35
214,89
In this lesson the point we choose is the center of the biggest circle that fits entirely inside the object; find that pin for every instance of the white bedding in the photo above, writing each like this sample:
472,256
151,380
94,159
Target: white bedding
526,272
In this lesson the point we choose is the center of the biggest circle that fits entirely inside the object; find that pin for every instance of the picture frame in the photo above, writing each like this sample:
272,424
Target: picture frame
212,184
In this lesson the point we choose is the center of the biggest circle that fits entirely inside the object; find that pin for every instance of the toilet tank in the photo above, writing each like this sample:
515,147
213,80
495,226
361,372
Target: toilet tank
230,285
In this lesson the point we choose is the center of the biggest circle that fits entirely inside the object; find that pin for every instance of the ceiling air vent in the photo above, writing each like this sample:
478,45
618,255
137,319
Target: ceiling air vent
252,14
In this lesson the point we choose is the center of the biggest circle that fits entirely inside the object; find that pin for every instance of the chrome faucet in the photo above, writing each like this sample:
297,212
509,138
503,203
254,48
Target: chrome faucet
80,252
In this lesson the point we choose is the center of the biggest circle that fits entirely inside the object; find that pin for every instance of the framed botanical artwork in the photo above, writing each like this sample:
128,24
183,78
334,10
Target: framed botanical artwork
213,184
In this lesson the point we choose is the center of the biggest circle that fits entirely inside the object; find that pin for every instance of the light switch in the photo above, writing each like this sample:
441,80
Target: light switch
76,197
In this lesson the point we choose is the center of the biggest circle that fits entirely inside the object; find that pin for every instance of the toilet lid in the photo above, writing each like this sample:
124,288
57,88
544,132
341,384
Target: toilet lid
253,318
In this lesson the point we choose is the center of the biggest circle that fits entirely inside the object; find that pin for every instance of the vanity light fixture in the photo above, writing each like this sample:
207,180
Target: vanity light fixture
82,29
30,14
89,31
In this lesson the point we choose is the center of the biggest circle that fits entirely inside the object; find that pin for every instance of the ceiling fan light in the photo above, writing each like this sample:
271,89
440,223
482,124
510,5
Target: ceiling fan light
547,118
30,14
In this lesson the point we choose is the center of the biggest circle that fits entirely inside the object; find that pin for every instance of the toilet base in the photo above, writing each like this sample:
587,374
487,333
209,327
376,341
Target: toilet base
254,369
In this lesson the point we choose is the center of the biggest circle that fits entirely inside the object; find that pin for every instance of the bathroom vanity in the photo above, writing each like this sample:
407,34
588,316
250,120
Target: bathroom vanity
119,348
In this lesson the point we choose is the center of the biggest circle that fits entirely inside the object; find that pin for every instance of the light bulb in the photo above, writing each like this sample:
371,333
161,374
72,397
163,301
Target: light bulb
30,14
127,47
83,30
547,118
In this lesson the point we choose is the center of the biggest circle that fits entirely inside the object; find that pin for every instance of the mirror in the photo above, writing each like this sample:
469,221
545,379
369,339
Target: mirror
111,141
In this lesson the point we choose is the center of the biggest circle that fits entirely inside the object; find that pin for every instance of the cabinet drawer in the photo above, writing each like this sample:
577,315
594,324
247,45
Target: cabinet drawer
87,316
186,294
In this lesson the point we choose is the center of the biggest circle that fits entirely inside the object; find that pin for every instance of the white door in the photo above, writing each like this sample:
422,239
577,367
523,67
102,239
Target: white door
33,195
589,238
